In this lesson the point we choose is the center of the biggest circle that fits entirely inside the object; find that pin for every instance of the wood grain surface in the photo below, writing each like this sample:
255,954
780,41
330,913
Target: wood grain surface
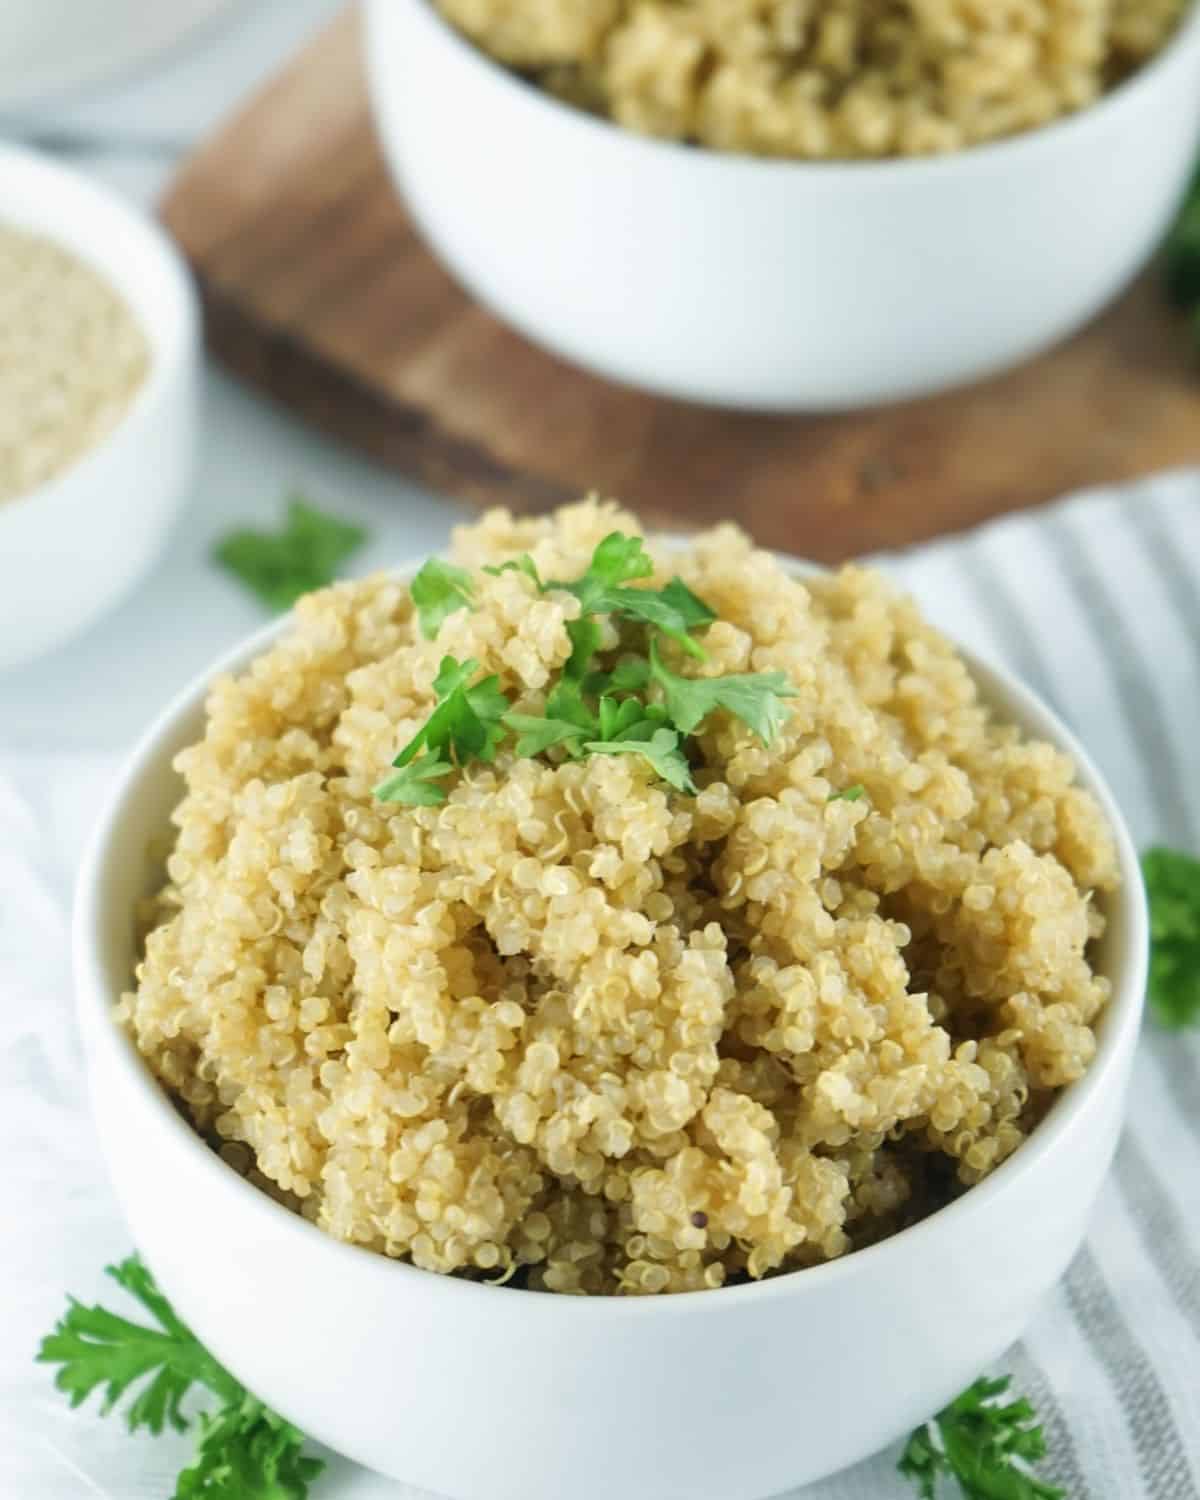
319,292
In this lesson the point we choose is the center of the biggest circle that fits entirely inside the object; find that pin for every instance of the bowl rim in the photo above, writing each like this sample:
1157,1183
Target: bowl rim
910,169
172,337
1117,1036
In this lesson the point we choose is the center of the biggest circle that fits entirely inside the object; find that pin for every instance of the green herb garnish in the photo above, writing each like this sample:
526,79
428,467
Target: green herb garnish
619,560
244,1450
983,1442
465,726
536,735
523,564
439,590
305,555
639,706
853,793
661,750
754,698
1182,256
1173,890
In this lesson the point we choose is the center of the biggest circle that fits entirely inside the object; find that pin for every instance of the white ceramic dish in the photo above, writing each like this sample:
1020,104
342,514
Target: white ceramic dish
54,46
772,284
483,1393
72,547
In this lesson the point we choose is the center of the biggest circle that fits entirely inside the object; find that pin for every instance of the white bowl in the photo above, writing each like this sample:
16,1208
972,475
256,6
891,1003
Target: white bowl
773,284
486,1393
71,548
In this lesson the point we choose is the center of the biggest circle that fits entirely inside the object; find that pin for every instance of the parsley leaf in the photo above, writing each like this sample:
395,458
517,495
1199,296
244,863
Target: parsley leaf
244,1452
439,590
986,1445
629,719
662,752
523,564
587,710
1173,890
616,560
466,725
853,793
1182,253
754,698
248,1453
585,636
652,608
628,676
414,785
692,608
538,734
621,559
566,720
305,555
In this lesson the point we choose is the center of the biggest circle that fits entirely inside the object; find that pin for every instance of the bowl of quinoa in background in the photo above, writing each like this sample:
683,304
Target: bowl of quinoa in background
902,198
823,79
99,358
856,1003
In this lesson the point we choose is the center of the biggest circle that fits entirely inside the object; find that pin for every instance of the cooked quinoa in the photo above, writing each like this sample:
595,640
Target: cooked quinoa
72,358
823,78
576,1027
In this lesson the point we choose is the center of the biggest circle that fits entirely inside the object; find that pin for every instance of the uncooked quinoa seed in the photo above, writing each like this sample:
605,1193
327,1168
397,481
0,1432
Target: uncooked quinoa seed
824,78
72,358
577,1029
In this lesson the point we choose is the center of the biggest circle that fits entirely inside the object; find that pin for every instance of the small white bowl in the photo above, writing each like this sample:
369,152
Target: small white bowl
486,1393
774,284
72,547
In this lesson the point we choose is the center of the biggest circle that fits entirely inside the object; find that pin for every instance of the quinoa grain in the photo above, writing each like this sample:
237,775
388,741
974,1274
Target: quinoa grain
823,78
72,358
572,1023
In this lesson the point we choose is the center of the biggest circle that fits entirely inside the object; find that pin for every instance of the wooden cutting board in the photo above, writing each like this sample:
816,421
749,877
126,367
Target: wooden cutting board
319,292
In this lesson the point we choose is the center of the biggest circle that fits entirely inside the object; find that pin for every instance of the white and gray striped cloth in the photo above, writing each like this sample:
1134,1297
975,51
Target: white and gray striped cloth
1097,604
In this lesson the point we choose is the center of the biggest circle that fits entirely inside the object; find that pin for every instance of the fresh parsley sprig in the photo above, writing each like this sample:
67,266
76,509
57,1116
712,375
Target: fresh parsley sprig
305,554
619,560
465,726
244,1451
523,564
985,1443
1181,256
438,591
1173,891
638,706
756,698
662,750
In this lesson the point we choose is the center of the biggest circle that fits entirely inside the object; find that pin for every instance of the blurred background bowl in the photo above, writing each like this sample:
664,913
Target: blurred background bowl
764,283
69,549
50,46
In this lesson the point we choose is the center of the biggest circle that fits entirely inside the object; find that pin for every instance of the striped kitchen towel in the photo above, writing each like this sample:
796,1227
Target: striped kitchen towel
1097,604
